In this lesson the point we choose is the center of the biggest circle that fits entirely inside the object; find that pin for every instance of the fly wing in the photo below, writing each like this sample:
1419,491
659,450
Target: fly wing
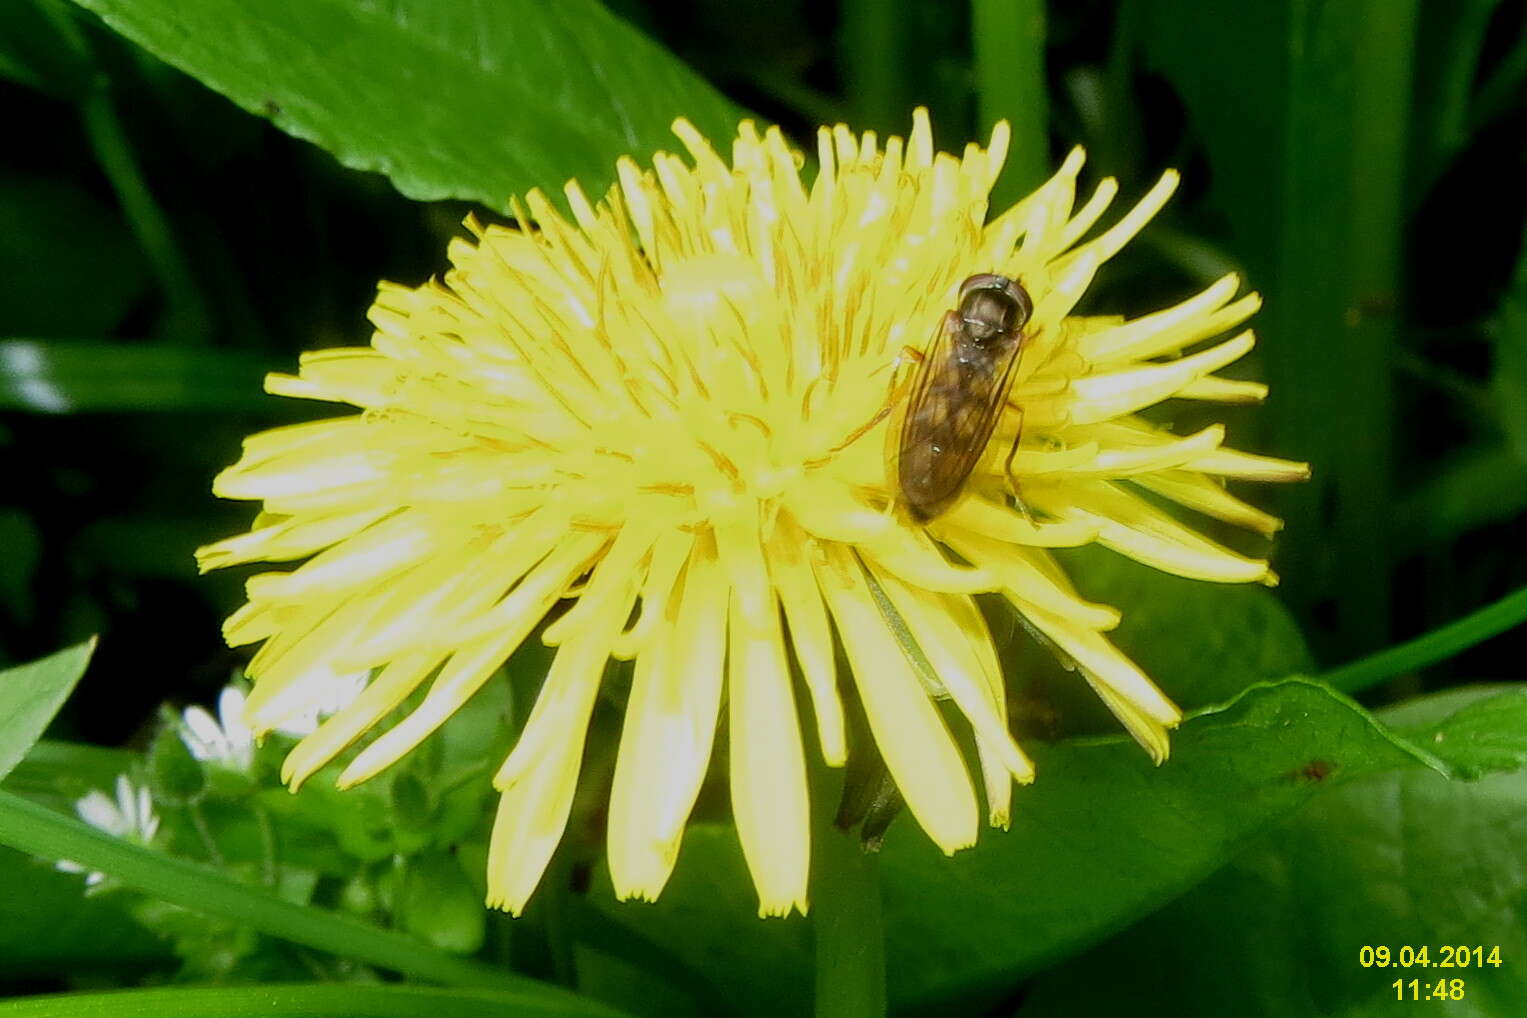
955,403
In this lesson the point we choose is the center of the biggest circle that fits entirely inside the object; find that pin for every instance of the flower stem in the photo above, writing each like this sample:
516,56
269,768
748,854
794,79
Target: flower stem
850,942
874,53
204,832
1438,645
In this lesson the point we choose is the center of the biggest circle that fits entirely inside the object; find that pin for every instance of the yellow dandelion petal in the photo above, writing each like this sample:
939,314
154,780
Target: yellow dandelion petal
670,725
1210,498
1223,390
935,621
1022,579
1133,698
1197,318
918,749
768,764
680,409
1113,394
380,697
536,800
1129,524
810,635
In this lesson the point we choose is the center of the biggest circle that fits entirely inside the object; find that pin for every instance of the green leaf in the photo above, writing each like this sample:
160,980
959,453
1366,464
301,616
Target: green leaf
175,776
1401,859
60,376
438,903
1099,840
31,694
479,99
38,831
613,977
1487,735
48,926
66,769
1103,838
706,921
288,1000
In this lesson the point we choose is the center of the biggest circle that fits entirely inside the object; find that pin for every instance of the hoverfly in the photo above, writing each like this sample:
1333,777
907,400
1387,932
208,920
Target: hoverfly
959,391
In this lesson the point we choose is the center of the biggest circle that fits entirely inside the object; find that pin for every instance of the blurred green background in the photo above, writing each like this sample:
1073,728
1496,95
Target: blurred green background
1360,161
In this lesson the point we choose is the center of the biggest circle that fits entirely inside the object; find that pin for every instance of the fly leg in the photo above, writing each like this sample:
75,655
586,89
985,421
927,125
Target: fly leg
894,394
900,384
1007,467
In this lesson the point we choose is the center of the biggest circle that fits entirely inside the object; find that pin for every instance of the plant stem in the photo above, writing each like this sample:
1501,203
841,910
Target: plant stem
204,832
850,942
875,55
1008,38
1438,645
189,320
267,844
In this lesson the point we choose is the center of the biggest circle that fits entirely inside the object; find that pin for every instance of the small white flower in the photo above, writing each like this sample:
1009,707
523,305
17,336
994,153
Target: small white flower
327,696
131,817
225,740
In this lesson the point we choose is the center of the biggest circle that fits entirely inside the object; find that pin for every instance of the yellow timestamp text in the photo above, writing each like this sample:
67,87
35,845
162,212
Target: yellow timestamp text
1420,989
1443,956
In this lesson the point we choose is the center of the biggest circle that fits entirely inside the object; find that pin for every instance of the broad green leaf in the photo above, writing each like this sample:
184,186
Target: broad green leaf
48,926
615,978
479,99
1487,735
1103,838
31,694
1401,859
707,920
439,904
70,265
1099,840
62,376
287,1000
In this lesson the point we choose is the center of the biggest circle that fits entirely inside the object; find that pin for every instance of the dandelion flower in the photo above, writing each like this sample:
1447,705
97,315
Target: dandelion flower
130,816
667,410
